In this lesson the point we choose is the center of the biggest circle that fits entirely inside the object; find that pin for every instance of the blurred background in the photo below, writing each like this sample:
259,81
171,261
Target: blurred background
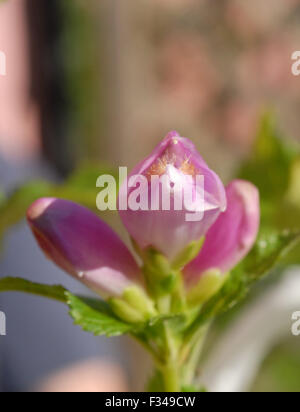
93,85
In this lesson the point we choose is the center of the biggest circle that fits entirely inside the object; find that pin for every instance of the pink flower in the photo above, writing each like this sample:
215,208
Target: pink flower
83,245
168,231
232,236
88,249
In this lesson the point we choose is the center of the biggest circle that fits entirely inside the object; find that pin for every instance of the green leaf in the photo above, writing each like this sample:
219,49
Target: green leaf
92,315
267,252
95,317
21,285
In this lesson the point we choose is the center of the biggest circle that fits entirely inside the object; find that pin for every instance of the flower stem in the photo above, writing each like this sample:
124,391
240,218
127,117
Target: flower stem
170,373
170,369
190,367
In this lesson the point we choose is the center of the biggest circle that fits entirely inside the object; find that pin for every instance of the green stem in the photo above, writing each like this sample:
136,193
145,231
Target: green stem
170,369
164,304
170,373
55,292
190,368
148,347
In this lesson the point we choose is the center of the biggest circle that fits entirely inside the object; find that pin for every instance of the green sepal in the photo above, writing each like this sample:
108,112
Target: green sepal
139,301
157,263
161,278
169,283
96,317
125,311
209,284
188,254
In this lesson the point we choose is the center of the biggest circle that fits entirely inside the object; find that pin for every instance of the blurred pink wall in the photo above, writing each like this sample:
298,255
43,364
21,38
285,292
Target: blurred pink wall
19,124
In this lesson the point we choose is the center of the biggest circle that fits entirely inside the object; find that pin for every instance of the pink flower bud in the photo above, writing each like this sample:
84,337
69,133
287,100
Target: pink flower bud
170,231
232,236
84,246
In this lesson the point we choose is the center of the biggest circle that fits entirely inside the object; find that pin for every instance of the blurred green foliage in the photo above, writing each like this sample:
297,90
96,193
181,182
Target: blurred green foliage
268,166
274,167
79,187
280,371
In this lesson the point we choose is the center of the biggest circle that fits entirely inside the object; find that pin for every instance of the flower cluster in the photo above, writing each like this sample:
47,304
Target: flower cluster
191,258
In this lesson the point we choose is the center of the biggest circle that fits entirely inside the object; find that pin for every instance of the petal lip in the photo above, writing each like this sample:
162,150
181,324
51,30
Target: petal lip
232,236
83,245
39,207
168,231
172,138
